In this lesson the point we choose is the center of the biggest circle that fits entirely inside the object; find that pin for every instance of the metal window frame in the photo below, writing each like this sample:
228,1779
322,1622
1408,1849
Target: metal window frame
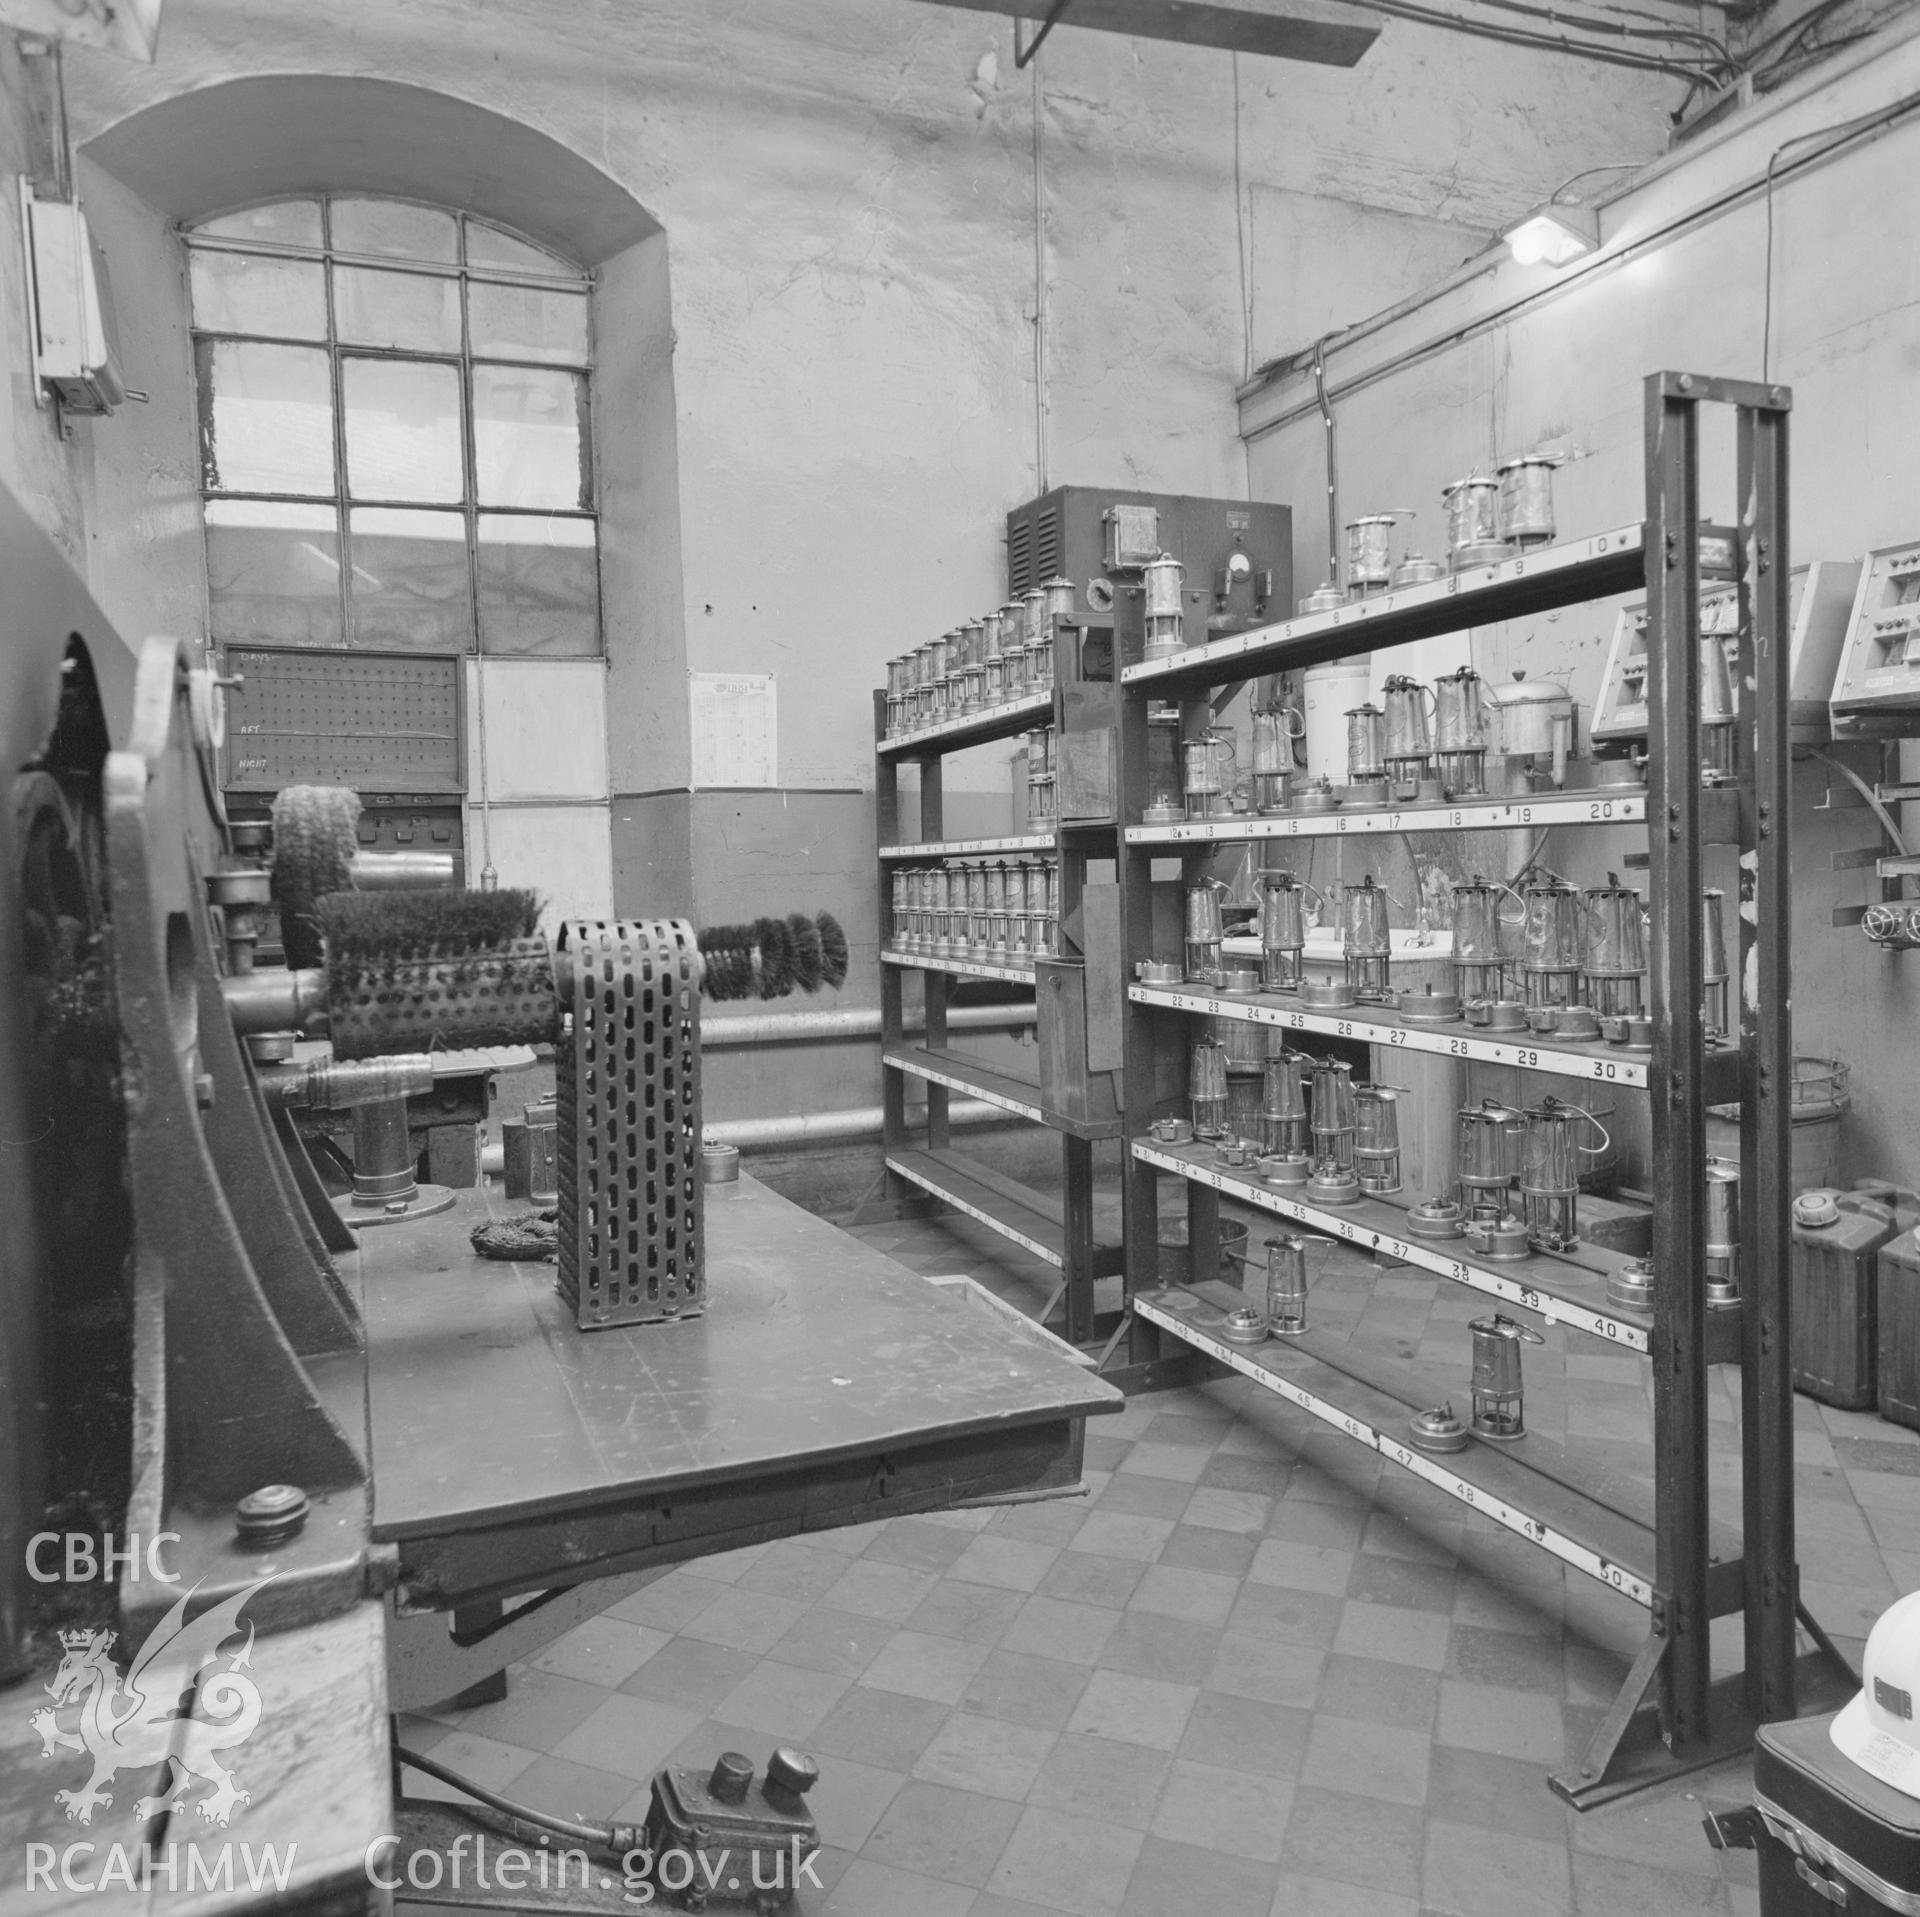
342,500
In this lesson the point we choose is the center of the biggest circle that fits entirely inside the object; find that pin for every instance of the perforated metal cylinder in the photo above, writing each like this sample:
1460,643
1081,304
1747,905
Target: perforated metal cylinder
628,1093
423,1004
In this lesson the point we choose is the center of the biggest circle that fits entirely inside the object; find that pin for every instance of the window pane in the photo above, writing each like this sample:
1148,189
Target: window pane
529,438
539,585
412,311
255,293
527,322
410,585
284,223
488,246
273,573
266,418
393,228
403,429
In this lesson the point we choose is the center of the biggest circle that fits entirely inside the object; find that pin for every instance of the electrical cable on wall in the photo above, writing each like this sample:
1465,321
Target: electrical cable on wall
1837,135
1611,260
1333,466
1240,234
1039,288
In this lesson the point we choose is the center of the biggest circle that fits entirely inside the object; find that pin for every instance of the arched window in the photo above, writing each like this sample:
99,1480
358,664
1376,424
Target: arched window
394,431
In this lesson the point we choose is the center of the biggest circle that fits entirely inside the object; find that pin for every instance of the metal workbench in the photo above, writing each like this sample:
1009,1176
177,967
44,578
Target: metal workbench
824,1385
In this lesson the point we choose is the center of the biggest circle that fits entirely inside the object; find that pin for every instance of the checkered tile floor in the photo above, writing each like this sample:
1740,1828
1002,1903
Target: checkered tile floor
1253,1671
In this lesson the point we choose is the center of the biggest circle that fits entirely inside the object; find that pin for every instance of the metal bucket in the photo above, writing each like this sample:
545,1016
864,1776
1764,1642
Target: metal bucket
1174,1261
1820,1101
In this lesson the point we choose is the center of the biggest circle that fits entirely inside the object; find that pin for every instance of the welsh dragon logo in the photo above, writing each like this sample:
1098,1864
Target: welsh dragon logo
164,1714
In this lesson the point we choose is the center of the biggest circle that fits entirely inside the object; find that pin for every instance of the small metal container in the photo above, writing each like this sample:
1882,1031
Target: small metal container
1204,931
1207,1089
1550,945
1494,1233
1491,1137
1366,745
1408,747
1376,1147
1550,1172
1283,931
1498,1389
1462,732
1473,522
1713,967
1369,553
1286,1285
1428,1007
1367,942
1272,762
1630,1288
1436,1217
1479,943
1334,1127
1283,1106
1614,965
1526,501
1244,1325
1326,994
1723,1232
1287,1171
1417,570
1209,763
1162,579
1438,1430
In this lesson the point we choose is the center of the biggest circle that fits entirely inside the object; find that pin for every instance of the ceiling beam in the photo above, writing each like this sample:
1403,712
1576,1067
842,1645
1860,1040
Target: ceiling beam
1324,32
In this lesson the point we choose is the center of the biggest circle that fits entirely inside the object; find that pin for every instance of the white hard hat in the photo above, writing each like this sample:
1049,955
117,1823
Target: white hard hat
1878,1729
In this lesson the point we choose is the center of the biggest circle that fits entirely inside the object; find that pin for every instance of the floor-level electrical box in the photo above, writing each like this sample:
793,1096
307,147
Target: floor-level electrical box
1237,554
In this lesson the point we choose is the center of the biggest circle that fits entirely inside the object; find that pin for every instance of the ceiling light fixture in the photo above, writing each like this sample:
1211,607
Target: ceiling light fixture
1554,234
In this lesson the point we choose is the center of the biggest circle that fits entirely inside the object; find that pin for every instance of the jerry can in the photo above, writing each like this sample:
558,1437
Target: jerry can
1898,1366
1832,1265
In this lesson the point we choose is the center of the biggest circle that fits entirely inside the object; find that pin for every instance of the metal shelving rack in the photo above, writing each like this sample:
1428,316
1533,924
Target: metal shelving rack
1657,1544
1076,1232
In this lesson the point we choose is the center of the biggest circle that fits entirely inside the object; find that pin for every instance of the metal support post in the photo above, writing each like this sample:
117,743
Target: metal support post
893,1030
1139,1183
1077,1182
936,985
1762,765
1674,1078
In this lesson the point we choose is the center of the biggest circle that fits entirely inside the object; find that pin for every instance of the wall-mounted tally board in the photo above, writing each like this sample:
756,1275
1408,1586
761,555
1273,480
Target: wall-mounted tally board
387,722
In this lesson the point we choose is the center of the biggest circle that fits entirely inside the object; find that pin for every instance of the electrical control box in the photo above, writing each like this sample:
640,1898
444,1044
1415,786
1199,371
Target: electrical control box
1877,689
1821,597
69,308
1237,554
1620,712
